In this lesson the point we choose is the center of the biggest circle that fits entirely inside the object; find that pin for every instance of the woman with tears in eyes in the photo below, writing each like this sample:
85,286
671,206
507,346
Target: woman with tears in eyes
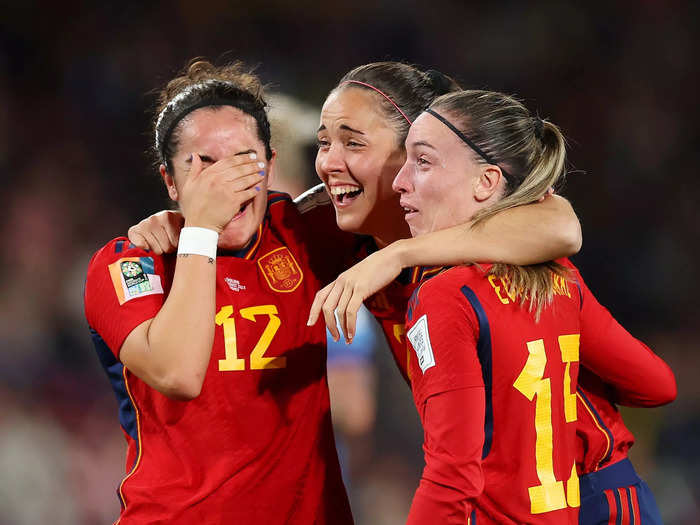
222,388
495,348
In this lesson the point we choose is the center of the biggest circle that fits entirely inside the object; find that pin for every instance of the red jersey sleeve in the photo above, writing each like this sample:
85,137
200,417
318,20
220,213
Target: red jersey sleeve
443,331
448,388
638,376
452,448
124,287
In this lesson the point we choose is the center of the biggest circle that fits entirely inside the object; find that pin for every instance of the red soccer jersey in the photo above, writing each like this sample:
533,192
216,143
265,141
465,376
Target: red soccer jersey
256,446
519,377
603,438
606,349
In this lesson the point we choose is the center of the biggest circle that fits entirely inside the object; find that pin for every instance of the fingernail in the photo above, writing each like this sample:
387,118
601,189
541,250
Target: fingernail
257,188
253,156
261,172
261,164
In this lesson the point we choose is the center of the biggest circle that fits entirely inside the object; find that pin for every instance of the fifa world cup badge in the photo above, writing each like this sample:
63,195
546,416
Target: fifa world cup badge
134,277
281,270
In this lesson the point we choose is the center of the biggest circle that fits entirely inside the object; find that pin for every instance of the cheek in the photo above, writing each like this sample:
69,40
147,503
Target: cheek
317,165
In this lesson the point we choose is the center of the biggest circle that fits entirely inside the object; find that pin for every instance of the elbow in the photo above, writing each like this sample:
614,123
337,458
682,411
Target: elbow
181,387
666,388
568,227
669,392
571,237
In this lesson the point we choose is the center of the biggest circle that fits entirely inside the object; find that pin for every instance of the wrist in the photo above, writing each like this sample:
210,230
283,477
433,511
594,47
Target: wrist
195,240
401,253
202,224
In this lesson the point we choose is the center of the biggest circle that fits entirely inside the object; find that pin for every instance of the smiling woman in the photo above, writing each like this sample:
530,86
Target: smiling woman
222,389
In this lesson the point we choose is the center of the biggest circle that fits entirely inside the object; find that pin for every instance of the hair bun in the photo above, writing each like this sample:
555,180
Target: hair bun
440,82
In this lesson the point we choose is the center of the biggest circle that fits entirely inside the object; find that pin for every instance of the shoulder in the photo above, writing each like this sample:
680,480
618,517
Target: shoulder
119,260
314,198
449,283
283,214
445,295
279,203
119,248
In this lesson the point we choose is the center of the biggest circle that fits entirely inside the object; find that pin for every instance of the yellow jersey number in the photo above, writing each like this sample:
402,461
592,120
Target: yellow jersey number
258,361
549,495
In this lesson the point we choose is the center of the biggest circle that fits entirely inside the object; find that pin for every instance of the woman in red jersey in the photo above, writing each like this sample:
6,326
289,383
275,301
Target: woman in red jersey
222,389
363,125
477,352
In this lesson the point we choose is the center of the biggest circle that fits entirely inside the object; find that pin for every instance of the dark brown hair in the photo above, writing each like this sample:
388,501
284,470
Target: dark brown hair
411,89
202,84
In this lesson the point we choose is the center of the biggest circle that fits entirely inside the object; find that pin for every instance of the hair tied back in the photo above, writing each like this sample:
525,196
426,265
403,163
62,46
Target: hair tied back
440,82
538,125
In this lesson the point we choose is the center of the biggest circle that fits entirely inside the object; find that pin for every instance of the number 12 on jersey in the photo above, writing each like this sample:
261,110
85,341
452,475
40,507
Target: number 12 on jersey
258,361
549,495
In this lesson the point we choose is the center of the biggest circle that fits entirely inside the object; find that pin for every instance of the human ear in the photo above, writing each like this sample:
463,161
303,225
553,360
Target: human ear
169,181
488,182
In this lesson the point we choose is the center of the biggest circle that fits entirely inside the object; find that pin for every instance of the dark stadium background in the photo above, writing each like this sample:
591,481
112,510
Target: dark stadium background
620,78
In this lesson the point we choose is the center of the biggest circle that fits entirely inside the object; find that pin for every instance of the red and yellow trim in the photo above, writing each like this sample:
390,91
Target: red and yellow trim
139,444
253,247
602,431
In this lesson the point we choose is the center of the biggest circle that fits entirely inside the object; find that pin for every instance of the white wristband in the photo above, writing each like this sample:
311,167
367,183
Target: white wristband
198,241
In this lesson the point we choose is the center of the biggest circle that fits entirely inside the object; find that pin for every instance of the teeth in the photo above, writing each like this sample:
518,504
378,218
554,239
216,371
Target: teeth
341,190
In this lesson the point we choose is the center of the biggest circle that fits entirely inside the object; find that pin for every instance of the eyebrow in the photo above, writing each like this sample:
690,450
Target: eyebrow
344,127
423,143
207,158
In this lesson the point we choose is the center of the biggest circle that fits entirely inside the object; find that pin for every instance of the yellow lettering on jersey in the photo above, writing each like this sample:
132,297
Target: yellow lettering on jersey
258,361
399,334
550,494
573,494
497,289
561,286
232,362
569,345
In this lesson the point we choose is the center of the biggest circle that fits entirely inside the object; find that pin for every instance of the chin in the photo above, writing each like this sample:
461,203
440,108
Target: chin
236,239
347,222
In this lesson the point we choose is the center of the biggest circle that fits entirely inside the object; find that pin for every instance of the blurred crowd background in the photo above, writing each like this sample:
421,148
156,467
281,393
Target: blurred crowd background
76,99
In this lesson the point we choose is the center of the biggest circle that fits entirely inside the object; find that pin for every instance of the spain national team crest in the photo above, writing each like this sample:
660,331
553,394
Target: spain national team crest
281,271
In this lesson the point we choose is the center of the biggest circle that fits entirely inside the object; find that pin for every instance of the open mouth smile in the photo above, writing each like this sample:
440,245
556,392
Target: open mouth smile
345,194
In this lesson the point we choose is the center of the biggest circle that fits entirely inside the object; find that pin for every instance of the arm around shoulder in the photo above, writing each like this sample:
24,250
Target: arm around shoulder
522,235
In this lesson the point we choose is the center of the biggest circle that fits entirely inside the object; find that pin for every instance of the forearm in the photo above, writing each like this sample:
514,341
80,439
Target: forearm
178,341
434,503
452,476
522,235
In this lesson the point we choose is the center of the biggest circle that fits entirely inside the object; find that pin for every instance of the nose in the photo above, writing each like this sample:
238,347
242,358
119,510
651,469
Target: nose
332,160
402,181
